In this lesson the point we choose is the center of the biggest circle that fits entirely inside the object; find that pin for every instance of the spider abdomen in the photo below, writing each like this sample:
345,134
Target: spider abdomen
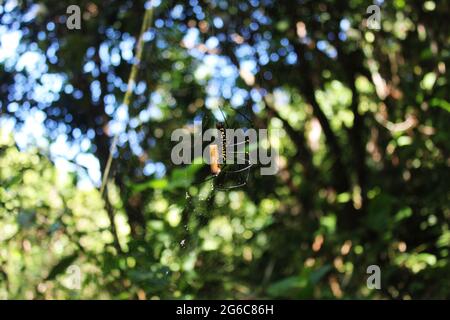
223,137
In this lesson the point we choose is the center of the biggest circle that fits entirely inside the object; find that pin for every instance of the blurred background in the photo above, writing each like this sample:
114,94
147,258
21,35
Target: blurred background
363,179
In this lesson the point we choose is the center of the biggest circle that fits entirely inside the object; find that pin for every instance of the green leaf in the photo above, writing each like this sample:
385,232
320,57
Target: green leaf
379,212
180,178
440,103
298,286
428,81
403,214
287,286
152,184
318,274
343,197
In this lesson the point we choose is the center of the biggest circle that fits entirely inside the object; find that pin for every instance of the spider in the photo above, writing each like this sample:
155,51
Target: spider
228,176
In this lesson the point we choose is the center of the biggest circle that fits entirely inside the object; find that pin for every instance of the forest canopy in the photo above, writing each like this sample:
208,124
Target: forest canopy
88,188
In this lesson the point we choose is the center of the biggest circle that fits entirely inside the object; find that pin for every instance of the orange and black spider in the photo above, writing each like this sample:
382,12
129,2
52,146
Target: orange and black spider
228,176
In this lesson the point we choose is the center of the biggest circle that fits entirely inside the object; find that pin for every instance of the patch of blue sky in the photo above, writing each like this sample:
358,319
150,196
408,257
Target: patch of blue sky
155,112
134,141
228,72
149,168
51,52
118,125
85,144
344,24
212,103
68,88
41,94
190,40
88,66
244,50
144,115
33,62
256,95
121,113
113,33
263,59
9,5
7,124
177,12
326,48
126,48
95,90
218,22
140,88
133,123
115,57
32,131
62,148
52,82
202,73
152,3
238,99
161,43
104,54
212,43
262,46
91,163
156,168
159,23
227,90
21,88
213,87
199,14
260,17
109,99
249,65
9,43
31,13
291,58
284,42
156,97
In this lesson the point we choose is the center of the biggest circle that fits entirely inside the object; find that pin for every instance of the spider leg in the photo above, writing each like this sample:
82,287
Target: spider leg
232,187
239,170
237,144
239,184
244,160
223,115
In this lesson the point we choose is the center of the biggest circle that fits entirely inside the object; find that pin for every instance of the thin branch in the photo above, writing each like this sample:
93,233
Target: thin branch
148,17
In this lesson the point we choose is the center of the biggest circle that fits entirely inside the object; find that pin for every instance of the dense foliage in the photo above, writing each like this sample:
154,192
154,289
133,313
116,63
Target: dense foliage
364,149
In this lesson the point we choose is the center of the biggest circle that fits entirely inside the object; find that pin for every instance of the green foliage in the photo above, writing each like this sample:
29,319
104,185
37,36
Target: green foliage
299,287
364,150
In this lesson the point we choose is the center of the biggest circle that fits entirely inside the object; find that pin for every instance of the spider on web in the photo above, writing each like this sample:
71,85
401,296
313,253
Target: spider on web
226,175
